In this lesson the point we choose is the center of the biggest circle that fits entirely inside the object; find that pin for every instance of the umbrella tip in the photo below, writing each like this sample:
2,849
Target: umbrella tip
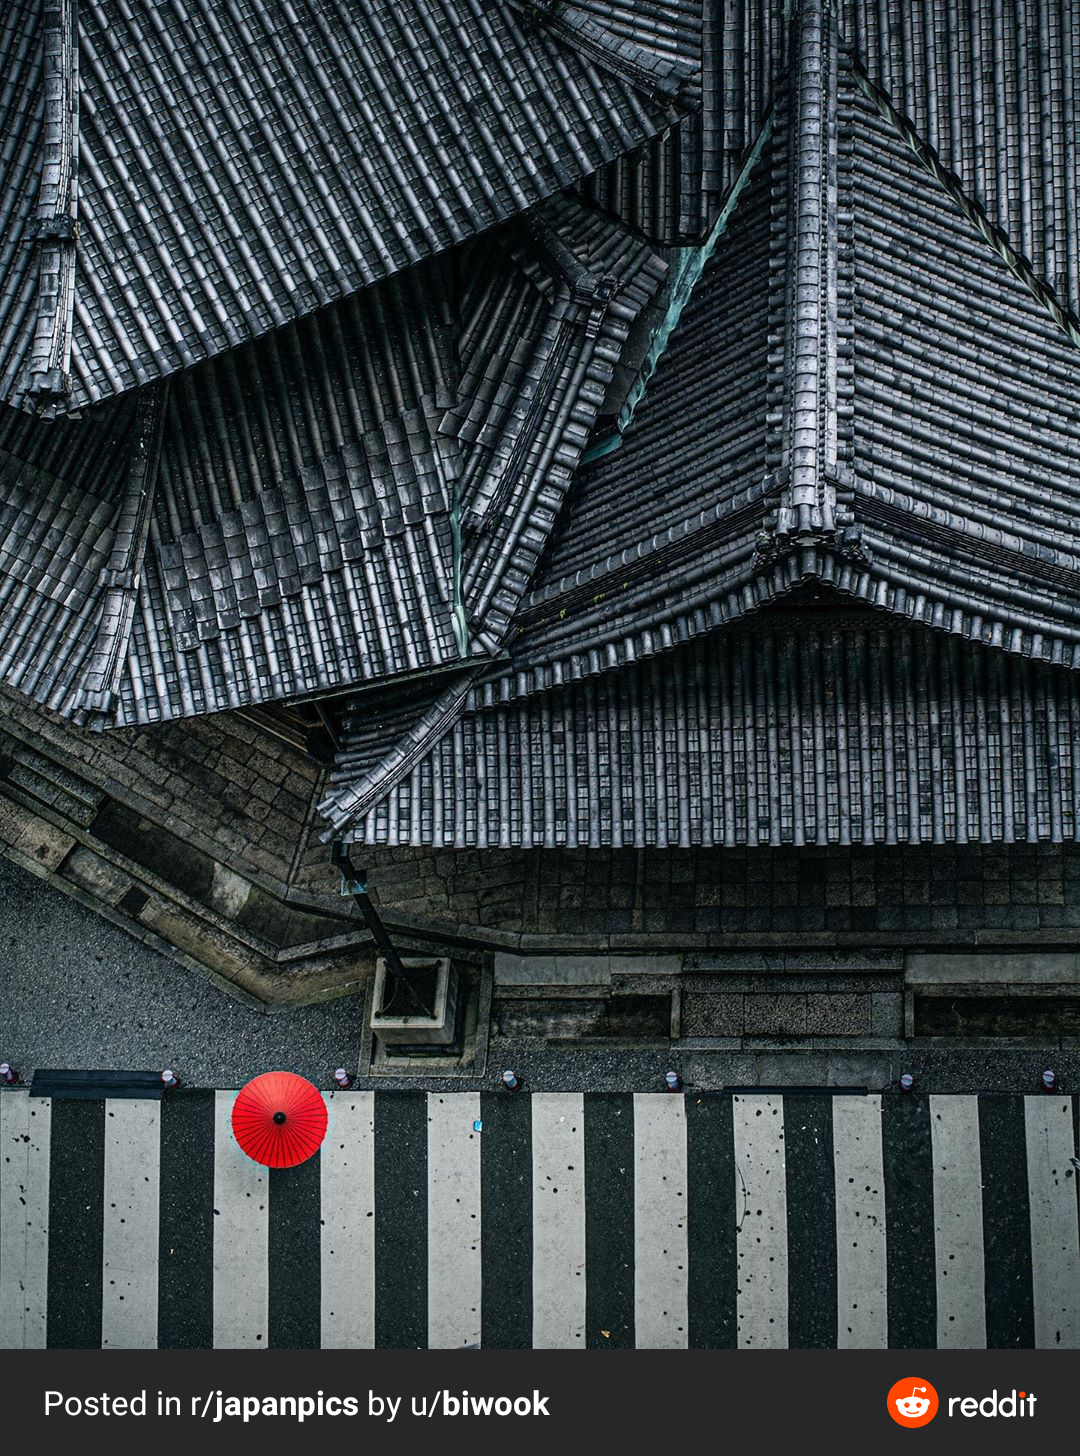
279,1118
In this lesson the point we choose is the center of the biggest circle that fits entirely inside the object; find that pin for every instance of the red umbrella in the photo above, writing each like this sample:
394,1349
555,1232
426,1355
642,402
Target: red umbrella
279,1119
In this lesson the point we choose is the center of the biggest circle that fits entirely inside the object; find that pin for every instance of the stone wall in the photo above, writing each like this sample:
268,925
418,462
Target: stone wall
939,893
236,791
205,836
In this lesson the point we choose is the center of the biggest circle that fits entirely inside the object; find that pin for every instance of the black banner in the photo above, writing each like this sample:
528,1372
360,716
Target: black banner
971,1400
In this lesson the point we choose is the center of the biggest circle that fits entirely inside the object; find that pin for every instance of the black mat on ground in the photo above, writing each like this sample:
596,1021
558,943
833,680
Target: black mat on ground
88,1086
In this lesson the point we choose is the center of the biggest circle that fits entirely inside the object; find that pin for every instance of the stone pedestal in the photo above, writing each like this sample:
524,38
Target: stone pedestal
399,1024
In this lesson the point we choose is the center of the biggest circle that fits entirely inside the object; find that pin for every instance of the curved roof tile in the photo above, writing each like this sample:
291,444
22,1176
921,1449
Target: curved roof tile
241,165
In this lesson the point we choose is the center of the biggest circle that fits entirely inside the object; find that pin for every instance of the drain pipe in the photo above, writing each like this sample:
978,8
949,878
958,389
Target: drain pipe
354,883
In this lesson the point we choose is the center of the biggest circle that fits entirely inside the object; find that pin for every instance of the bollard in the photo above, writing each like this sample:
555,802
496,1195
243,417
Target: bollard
672,1081
907,1082
169,1078
512,1082
1049,1081
342,1079
8,1073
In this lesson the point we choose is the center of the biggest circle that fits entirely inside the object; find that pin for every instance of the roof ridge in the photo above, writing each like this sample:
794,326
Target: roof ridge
49,365
120,577
807,227
656,76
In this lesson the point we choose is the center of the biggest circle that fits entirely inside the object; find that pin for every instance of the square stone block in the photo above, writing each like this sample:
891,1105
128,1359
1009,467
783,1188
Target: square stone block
396,1029
712,1015
837,1014
887,1014
780,1015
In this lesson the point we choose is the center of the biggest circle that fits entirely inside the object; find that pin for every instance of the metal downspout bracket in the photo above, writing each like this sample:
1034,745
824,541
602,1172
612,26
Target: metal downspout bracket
354,883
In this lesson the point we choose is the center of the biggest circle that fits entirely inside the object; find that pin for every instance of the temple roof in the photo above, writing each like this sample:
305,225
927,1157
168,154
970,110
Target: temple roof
806,725
868,388
591,333
361,494
192,175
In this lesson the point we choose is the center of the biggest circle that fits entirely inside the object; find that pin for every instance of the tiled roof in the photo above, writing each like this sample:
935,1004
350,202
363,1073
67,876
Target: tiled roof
784,731
63,490
644,527
866,376
966,414
669,28
236,167
991,85
841,404
673,188
361,494
393,427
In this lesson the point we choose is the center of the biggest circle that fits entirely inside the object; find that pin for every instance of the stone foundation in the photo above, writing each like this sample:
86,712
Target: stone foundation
203,838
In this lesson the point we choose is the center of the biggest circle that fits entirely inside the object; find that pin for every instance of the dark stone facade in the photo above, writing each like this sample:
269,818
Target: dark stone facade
694,898
203,839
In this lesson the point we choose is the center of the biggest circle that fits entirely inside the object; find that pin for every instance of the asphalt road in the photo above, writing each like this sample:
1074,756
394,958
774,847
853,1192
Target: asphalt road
76,991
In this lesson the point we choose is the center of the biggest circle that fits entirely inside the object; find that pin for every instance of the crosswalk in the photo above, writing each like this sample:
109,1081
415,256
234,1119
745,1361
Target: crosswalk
552,1220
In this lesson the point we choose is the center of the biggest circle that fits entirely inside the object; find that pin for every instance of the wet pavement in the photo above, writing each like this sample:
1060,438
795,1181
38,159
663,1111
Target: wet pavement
78,992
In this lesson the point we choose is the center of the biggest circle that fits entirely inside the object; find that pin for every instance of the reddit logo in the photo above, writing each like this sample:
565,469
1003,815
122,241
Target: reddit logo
913,1402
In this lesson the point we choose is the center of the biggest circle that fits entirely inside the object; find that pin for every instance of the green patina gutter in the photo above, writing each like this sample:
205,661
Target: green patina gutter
686,268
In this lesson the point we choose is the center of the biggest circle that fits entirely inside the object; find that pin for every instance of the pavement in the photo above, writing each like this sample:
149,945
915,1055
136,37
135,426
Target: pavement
78,992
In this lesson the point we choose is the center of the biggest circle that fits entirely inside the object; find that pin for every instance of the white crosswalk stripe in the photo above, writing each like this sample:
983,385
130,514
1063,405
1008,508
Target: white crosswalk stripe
762,1222
660,1253
861,1268
924,1202
453,1220
347,1236
241,1201
129,1312
558,1272
24,1220
958,1223
1055,1257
